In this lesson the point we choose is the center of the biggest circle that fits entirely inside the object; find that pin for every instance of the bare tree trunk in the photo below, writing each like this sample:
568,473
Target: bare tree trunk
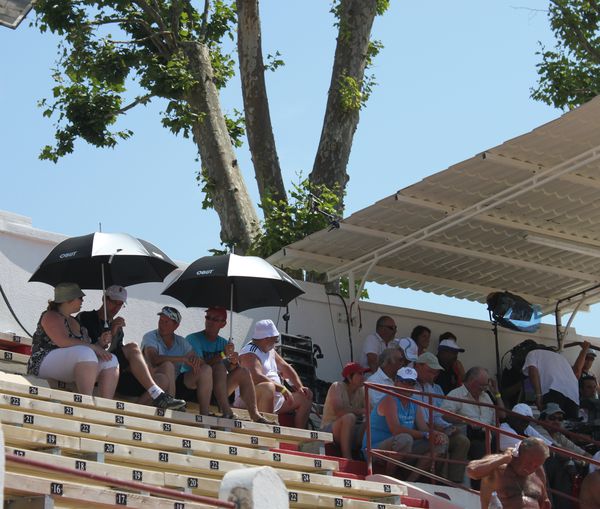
239,222
331,161
256,105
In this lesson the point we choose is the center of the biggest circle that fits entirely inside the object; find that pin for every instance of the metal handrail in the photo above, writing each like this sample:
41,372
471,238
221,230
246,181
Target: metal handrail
388,456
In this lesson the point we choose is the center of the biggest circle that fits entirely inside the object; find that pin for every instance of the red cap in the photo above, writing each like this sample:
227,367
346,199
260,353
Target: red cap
218,312
351,368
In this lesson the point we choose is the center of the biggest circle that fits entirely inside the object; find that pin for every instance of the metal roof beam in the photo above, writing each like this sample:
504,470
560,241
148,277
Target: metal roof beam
533,182
532,167
573,274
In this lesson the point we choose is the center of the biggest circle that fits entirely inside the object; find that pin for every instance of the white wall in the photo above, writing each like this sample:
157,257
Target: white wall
314,314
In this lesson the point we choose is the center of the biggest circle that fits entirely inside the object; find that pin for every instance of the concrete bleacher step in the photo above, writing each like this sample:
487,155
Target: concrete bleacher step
130,411
76,495
11,339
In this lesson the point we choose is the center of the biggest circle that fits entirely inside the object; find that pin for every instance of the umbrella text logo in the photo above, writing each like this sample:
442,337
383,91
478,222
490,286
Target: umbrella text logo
204,272
68,255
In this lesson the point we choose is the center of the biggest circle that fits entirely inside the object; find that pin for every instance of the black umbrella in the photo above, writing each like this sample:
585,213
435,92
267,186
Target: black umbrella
233,282
98,260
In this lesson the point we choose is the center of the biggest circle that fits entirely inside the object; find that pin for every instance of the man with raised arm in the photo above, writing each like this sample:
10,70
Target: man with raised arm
136,378
516,475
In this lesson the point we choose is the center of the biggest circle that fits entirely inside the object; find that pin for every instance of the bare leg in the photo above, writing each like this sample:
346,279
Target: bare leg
240,377
138,365
107,382
265,397
86,374
343,429
164,375
219,375
202,381
303,410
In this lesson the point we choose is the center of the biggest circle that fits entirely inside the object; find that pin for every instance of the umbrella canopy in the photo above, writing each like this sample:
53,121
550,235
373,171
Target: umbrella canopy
98,260
234,282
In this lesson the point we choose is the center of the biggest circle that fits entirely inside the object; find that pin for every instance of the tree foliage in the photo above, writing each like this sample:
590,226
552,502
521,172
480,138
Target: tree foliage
569,73
116,55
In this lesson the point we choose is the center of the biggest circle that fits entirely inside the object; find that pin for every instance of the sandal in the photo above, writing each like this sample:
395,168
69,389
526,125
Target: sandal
264,420
230,416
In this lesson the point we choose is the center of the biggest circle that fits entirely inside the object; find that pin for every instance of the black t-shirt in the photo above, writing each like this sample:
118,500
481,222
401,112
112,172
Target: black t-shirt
447,380
95,326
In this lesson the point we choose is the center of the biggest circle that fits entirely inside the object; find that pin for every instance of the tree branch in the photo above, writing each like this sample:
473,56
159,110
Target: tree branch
136,41
139,100
591,51
204,23
156,17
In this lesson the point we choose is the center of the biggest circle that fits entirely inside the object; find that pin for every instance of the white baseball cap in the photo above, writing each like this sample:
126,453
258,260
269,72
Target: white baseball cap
523,409
450,344
407,374
116,292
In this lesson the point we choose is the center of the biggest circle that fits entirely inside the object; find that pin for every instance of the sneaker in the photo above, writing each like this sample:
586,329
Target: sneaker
166,401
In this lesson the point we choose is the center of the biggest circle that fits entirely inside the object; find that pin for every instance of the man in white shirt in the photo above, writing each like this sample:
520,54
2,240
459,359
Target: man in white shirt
553,380
374,344
477,380
390,361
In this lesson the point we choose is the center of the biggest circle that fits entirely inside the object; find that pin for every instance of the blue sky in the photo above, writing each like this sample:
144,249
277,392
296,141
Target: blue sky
454,79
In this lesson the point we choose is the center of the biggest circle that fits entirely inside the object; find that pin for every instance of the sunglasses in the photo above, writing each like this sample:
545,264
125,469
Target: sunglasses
390,327
214,318
555,418
407,382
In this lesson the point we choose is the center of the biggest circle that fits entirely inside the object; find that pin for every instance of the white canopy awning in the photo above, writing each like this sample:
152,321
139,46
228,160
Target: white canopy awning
522,217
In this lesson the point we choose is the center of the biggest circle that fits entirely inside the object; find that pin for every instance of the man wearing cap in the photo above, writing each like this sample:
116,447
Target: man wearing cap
265,366
390,361
410,349
169,351
559,469
344,409
135,377
398,424
428,368
447,355
222,359
383,337
516,476
517,425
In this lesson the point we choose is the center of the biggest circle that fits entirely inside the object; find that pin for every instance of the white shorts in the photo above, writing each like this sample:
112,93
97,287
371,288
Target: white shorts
278,401
60,363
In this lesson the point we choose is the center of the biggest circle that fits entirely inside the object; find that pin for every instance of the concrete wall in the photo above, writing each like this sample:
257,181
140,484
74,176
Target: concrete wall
314,314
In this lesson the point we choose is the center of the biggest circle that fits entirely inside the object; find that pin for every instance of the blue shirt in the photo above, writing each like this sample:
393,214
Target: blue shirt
438,418
204,348
179,348
379,427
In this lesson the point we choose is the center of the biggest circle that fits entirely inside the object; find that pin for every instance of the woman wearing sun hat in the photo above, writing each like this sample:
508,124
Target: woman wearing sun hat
344,409
62,349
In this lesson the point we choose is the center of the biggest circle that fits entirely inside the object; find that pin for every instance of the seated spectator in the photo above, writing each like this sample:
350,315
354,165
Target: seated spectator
560,470
584,361
553,381
398,424
223,361
421,335
428,367
62,350
514,424
515,475
410,349
264,364
383,337
136,379
476,382
457,368
162,346
589,409
390,361
449,378
344,409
